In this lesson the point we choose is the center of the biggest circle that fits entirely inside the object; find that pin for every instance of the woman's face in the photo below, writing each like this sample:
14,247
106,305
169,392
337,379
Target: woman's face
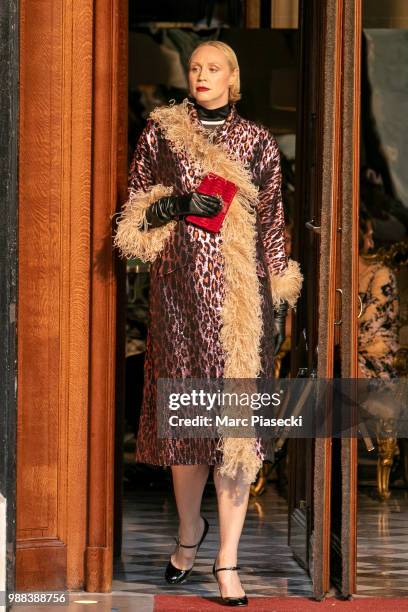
210,77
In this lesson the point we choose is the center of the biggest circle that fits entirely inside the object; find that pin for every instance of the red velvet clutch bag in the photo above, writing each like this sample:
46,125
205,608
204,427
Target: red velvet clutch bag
213,184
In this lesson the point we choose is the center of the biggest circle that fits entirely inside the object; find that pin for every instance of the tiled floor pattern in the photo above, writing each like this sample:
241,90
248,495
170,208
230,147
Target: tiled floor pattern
150,522
268,568
382,544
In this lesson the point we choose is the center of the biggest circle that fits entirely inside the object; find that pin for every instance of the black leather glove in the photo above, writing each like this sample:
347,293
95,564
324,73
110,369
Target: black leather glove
172,207
280,326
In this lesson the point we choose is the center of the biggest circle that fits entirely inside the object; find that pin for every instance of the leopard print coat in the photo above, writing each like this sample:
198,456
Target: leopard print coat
187,277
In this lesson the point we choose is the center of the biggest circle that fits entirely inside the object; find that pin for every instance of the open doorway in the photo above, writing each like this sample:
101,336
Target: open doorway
160,43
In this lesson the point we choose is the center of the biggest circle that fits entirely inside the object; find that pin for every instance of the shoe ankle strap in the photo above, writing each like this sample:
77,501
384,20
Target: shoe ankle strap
185,545
198,543
222,569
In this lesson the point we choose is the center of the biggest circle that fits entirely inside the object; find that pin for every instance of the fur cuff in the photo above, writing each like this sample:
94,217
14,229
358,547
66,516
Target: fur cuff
287,286
132,237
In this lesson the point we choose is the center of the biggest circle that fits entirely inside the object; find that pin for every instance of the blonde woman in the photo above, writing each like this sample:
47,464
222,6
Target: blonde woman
212,294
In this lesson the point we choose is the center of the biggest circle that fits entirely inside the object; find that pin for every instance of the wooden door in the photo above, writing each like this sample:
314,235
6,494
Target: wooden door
72,169
344,511
320,534
55,135
306,251
310,460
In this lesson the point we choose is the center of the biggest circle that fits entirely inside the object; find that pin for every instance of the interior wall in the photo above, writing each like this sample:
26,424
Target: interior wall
385,14
285,13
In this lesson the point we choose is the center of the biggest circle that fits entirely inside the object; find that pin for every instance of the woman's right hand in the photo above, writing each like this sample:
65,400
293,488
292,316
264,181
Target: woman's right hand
173,207
199,204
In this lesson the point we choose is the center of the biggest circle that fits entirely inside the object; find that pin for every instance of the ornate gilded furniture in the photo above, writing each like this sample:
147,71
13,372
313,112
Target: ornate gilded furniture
395,257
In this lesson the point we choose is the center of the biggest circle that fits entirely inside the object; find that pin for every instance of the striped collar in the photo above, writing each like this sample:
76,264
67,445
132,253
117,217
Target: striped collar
219,131
212,115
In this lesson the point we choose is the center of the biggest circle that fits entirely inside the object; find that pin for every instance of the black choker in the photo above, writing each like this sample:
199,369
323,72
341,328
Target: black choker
214,114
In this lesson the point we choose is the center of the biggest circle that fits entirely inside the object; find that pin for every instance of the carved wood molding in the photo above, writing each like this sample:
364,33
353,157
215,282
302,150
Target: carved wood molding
109,182
350,198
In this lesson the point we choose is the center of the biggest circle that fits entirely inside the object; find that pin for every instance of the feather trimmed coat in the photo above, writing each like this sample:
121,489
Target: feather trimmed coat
211,295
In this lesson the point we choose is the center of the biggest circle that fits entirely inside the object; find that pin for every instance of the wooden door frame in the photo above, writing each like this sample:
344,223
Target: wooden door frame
308,204
85,149
72,178
339,223
9,26
109,187
330,135
350,190
320,144
333,182
55,135
109,174
339,236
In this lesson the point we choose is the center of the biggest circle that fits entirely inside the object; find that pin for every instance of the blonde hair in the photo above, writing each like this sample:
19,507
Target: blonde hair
234,90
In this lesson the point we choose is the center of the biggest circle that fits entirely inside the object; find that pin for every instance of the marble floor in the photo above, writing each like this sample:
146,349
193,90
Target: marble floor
382,544
150,523
268,568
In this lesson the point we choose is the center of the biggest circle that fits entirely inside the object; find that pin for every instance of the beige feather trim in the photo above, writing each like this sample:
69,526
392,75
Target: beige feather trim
132,237
176,123
287,286
242,327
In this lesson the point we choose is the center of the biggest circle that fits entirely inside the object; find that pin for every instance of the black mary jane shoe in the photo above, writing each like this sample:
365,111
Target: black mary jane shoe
230,601
174,575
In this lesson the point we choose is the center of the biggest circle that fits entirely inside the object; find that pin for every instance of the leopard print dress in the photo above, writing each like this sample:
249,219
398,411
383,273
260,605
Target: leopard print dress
187,286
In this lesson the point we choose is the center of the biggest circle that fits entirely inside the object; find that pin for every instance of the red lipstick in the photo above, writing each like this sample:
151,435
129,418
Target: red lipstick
201,88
